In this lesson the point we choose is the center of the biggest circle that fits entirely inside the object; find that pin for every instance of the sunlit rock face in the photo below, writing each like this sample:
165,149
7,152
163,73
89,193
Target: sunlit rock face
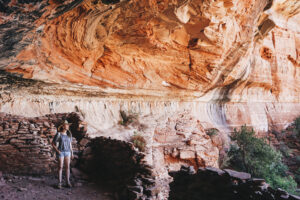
227,63
195,46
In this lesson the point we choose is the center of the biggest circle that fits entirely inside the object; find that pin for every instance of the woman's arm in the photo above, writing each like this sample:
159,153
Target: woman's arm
53,143
71,148
55,148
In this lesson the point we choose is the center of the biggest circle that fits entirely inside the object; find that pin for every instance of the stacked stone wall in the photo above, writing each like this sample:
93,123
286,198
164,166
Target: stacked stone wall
118,164
25,143
214,184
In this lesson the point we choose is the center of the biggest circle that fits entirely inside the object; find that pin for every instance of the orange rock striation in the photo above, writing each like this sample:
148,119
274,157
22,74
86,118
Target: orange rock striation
226,62
238,50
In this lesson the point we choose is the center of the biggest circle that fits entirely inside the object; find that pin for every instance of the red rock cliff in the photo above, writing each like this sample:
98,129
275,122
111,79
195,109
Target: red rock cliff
181,68
243,54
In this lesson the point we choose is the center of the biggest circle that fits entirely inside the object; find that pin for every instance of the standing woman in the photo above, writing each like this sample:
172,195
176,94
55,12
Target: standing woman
64,151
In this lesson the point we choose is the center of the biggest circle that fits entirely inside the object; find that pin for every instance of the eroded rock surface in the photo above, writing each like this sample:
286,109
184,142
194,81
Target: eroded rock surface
240,58
180,140
238,49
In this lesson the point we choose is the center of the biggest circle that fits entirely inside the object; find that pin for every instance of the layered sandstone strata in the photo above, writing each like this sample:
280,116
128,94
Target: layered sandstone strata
228,62
237,50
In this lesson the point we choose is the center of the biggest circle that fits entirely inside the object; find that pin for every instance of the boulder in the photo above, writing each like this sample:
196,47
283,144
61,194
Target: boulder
238,175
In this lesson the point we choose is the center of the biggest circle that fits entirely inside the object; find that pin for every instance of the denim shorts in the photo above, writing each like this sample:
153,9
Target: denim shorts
64,154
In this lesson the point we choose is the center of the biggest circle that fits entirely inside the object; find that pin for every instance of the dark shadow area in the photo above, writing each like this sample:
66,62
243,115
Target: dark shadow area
216,184
110,1
13,31
119,166
269,5
13,80
65,8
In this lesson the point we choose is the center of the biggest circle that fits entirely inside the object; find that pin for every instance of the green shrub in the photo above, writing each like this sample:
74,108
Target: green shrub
297,123
287,183
212,131
138,141
298,161
256,157
297,126
126,118
297,175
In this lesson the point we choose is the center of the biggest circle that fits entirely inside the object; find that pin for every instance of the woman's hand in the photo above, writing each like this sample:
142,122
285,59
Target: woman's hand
58,151
72,156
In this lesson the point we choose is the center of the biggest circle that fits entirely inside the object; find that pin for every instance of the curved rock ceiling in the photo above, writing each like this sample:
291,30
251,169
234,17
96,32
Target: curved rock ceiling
237,49
228,62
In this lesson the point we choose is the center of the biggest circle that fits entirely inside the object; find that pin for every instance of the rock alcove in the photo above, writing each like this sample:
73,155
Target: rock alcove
183,67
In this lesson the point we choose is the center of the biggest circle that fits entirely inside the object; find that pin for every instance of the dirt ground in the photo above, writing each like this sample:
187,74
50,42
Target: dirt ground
44,187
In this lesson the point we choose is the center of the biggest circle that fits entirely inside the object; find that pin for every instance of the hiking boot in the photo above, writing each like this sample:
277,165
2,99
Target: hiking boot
69,185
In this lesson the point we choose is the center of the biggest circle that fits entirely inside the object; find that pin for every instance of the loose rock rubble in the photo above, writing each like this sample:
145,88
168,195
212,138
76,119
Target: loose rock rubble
212,184
183,140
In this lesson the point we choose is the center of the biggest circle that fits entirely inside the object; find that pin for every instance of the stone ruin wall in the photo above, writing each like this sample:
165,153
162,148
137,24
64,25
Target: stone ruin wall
25,143
25,148
212,184
119,165
182,140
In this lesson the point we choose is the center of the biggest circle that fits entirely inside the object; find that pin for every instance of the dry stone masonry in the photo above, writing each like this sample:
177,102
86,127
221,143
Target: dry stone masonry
215,184
118,164
183,140
25,143
25,149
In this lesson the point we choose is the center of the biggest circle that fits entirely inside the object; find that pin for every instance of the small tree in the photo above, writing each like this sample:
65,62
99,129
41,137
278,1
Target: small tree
297,123
297,126
212,131
127,118
256,157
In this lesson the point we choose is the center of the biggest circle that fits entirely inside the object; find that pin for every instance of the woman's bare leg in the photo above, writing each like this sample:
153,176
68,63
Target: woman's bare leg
67,165
60,168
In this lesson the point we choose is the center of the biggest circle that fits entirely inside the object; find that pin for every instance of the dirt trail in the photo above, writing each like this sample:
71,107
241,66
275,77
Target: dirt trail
44,187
